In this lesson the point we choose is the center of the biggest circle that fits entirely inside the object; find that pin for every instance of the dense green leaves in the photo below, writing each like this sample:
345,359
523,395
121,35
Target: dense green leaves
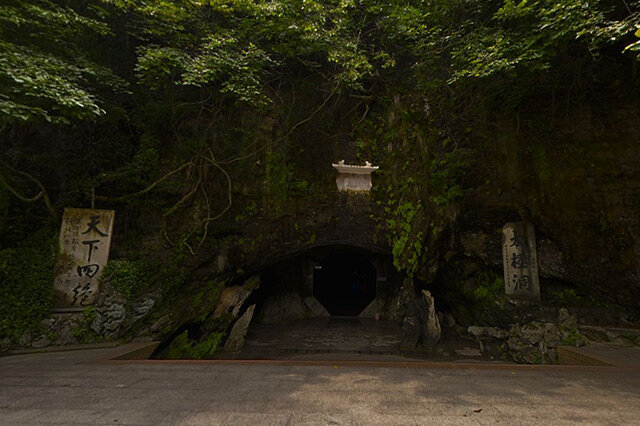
239,46
45,74
26,284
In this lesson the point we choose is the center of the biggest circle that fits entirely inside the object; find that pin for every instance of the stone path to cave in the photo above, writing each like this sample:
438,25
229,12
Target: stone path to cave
80,387
343,338
327,335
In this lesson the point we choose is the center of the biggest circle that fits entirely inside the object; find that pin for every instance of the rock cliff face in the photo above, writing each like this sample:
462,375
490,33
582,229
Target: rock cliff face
579,183
577,179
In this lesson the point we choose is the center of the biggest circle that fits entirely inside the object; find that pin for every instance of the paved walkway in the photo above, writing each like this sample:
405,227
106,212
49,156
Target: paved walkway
322,335
624,356
343,338
77,388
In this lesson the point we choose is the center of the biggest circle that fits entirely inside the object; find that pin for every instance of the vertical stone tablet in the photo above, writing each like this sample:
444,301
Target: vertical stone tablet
85,238
520,261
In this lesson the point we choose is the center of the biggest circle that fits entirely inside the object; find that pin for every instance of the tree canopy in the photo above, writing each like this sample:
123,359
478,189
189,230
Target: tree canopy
53,53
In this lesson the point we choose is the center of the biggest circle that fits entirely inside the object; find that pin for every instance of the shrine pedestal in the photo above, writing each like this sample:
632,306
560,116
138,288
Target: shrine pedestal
354,178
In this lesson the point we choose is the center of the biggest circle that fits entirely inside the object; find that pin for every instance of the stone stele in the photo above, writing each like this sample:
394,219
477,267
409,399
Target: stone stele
85,238
354,178
520,261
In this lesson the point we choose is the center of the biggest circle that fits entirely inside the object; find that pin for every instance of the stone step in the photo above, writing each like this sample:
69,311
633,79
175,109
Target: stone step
569,355
600,354
137,351
631,332
63,348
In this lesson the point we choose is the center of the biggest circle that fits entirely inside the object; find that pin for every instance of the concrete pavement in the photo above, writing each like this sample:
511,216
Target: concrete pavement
78,388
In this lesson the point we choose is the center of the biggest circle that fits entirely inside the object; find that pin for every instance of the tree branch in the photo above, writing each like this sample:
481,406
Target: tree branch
42,194
147,189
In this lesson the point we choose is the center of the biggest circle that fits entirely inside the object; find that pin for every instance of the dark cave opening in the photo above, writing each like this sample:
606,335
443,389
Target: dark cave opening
344,283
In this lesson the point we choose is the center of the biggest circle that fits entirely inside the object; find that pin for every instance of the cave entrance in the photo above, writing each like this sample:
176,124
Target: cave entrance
344,283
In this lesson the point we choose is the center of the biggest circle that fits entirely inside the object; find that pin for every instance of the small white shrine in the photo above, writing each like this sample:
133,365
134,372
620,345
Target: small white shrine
354,178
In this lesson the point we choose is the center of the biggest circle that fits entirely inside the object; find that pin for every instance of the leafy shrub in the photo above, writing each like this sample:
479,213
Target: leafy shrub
126,276
573,339
183,348
83,331
568,297
26,284
489,289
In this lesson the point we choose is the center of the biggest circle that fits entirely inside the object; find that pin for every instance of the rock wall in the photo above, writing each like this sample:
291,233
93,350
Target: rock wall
578,180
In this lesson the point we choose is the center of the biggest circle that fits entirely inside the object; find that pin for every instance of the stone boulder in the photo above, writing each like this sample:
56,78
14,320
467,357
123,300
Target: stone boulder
232,298
109,317
431,331
143,307
420,324
282,308
533,342
490,339
235,341
41,342
550,259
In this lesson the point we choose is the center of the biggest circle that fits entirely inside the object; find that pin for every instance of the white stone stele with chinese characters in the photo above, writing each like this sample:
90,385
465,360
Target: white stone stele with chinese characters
85,238
354,178
520,261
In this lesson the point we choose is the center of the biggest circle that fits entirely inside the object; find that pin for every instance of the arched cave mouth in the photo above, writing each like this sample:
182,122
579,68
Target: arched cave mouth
344,283
321,300
324,281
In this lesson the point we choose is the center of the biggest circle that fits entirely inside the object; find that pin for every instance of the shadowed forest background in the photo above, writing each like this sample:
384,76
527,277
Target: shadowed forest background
210,127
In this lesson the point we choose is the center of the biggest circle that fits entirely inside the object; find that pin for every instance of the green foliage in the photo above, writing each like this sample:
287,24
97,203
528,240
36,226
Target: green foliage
44,72
183,348
132,277
406,243
446,174
26,284
125,166
422,181
502,38
573,338
280,181
567,297
233,45
409,226
489,289
277,174
204,300
635,46
83,332
172,275
128,277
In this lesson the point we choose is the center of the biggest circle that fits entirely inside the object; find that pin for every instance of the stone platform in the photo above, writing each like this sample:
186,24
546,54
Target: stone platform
86,387
344,338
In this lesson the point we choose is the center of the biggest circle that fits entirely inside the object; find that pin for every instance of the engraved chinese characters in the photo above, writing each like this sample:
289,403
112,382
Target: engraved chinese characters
85,238
520,261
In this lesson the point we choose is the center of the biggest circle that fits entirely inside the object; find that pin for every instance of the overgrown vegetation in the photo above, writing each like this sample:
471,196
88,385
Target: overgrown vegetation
184,348
26,284
490,287
128,277
573,338
132,277
195,118
83,331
